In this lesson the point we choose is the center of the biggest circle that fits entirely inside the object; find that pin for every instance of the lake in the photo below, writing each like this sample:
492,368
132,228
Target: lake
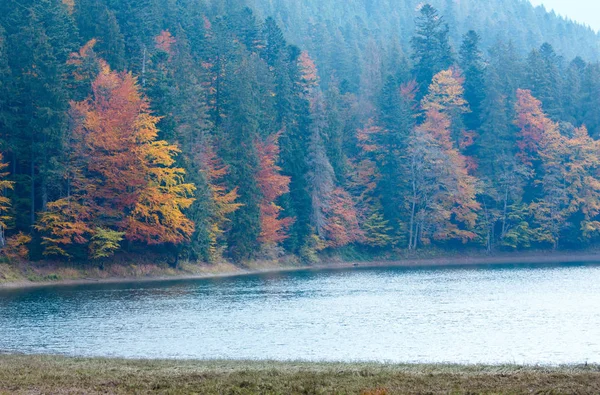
492,314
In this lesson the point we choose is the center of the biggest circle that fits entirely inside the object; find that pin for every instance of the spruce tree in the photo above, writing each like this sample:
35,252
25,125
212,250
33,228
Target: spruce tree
431,51
472,65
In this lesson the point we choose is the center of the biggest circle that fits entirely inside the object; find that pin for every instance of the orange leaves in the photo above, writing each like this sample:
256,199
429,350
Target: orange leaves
367,138
126,180
76,58
272,185
65,222
308,71
566,169
341,227
164,41
534,125
443,204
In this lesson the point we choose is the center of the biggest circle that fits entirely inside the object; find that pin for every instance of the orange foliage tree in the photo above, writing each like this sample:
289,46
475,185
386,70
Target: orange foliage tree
123,177
566,168
442,201
272,185
334,214
223,201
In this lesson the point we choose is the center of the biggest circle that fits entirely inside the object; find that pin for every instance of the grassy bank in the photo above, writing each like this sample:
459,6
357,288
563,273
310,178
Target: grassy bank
26,274
45,374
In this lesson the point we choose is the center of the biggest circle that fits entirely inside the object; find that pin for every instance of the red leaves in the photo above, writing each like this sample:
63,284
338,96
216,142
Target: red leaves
533,124
272,185
308,70
164,41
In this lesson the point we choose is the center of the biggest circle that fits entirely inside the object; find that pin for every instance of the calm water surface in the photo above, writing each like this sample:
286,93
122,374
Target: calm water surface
490,315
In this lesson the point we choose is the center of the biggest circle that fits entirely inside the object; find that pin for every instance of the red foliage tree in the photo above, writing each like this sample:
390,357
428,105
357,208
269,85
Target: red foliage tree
272,185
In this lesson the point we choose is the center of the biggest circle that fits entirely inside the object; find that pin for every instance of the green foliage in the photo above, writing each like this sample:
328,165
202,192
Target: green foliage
377,231
105,242
431,49
356,142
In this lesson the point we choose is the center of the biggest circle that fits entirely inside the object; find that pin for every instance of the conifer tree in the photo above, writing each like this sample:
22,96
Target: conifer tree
472,65
431,51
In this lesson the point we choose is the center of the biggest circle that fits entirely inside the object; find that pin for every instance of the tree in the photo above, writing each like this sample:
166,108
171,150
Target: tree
124,178
446,96
473,67
566,169
96,21
334,216
442,201
273,185
544,80
5,205
223,202
431,51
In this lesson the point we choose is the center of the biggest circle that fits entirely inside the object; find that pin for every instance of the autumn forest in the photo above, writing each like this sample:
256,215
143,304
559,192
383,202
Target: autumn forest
238,130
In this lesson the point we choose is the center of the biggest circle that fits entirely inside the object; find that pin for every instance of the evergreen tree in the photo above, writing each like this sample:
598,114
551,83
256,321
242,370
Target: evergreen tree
544,80
431,51
472,65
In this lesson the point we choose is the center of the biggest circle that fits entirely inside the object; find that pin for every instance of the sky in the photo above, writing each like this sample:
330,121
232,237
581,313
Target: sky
584,11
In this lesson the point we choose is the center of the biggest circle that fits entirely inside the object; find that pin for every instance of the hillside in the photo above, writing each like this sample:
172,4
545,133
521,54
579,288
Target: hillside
326,27
206,131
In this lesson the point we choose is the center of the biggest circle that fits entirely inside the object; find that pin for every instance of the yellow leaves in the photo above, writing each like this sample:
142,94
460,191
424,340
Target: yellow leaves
105,242
445,93
443,203
145,130
131,189
64,223
4,201
568,167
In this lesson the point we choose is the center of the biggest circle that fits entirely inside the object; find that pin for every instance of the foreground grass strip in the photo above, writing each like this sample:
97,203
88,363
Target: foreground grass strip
48,374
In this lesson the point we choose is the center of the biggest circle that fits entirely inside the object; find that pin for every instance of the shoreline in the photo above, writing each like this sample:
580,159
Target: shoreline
229,271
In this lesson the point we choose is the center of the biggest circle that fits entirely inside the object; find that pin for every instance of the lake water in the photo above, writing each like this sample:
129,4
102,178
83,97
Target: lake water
494,314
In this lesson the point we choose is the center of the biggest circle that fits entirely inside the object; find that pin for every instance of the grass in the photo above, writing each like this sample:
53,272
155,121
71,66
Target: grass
49,374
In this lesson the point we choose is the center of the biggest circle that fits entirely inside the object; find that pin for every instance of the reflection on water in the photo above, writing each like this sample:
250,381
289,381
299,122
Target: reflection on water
488,315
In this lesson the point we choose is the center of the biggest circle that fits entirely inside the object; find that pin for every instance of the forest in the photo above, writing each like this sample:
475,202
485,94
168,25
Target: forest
237,130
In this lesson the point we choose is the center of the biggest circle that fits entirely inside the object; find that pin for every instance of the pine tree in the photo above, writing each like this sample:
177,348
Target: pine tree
543,79
431,51
472,65
96,21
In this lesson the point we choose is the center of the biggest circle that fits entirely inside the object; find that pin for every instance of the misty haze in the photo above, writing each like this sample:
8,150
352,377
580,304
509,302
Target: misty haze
299,196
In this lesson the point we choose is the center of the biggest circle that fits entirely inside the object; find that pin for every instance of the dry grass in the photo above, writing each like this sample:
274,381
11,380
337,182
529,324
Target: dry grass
46,374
